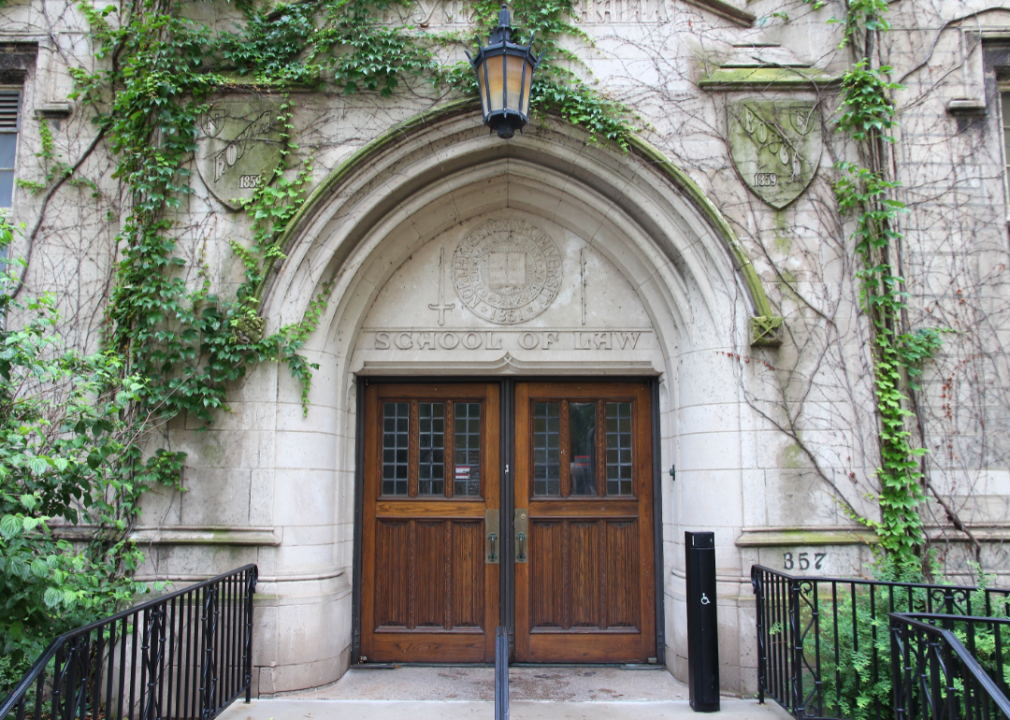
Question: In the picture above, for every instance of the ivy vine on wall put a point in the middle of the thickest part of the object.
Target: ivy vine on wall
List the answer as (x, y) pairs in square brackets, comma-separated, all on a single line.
[(864, 192)]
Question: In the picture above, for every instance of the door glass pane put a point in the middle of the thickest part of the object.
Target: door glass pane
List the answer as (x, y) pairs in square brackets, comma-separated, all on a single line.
[(619, 449), (547, 449), (431, 445), (467, 450), (582, 425), (395, 427)]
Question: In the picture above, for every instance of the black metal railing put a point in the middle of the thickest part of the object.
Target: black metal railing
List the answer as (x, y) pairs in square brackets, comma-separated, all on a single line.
[(824, 648), (187, 654), (936, 677)]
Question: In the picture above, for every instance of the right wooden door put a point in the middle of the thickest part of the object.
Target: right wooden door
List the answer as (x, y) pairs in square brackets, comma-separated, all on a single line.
[(585, 561)]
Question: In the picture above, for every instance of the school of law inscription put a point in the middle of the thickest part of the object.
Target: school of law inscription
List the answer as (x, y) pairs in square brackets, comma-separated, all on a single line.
[(507, 339), (507, 271)]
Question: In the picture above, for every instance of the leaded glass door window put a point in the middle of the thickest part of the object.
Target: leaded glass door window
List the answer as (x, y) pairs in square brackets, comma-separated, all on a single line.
[(582, 449), (432, 448)]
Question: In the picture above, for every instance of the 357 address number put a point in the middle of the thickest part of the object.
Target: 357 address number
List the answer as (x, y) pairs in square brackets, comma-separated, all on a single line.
[(802, 560)]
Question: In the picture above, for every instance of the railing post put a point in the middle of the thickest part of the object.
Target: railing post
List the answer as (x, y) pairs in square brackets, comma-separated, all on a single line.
[(897, 668), (797, 637), (756, 581), (250, 590)]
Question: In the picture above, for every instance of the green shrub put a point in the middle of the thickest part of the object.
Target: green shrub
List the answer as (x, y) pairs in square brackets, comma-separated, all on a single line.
[(68, 457)]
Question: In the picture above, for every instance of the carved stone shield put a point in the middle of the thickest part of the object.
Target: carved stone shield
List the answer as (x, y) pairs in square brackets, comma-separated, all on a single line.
[(775, 146), (239, 147)]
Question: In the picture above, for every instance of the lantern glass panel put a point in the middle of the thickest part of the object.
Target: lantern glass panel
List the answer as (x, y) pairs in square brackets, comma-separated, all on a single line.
[(514, 73), (482, 86), (493, 67), (527, 88)]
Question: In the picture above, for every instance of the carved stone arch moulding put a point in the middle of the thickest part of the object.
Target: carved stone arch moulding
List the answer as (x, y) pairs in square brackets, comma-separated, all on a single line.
[(677, 235)]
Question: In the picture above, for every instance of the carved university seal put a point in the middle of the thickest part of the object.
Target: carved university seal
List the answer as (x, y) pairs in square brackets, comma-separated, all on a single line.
[(507, 271)]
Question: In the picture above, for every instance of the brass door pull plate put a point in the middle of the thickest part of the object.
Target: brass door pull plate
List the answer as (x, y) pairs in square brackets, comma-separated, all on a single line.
[(521, 529), (492, 534)]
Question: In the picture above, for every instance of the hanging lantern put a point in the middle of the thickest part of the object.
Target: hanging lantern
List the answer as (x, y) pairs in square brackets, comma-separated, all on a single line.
[(505, 76)]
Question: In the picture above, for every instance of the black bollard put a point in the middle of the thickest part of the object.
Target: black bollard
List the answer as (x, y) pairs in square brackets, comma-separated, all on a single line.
[(702, 622)]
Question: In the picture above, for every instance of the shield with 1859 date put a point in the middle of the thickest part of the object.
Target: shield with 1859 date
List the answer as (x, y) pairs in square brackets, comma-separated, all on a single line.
[(775, 146), (239, 147)]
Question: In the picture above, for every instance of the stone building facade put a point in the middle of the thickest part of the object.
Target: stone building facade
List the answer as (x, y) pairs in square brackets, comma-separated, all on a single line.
[(701, 283)]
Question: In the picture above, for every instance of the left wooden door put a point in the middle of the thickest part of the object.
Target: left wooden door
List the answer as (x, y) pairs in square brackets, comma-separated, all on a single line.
[(429, 592)]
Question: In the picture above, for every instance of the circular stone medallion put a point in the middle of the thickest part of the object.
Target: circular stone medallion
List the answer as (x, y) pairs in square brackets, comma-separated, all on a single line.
[(507, 271)]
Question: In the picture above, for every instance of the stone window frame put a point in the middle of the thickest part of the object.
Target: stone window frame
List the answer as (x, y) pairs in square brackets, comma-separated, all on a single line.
[(18, 93), (996, 90), (17, 60)]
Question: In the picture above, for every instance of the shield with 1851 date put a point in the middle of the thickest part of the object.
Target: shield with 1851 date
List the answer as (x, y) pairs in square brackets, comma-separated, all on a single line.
[(239, 147), (775, 146)]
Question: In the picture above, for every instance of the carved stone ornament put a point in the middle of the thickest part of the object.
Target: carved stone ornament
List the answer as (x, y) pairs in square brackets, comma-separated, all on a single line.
[(776, 146), (239, 147), (507, 271), (766, 331)]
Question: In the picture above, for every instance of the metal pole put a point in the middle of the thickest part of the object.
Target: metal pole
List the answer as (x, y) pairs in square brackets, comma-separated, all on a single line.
[(501, 674)]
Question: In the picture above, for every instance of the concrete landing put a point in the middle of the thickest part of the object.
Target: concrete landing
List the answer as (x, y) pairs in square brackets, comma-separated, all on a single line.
[(467, 693), (283, 709)]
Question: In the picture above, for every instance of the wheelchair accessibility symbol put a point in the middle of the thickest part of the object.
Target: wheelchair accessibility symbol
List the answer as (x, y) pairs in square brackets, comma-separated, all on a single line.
[(705, 600)]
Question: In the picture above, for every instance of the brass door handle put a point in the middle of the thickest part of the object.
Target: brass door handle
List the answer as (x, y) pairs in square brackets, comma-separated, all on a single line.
[(520, 526), (493, 555), (491, 528)]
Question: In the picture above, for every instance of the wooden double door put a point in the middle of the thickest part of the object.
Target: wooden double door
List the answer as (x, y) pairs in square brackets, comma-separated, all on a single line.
[(539, 518)]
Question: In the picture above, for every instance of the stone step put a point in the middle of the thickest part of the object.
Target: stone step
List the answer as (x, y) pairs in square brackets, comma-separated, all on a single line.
[(466, 692), (295, 709)]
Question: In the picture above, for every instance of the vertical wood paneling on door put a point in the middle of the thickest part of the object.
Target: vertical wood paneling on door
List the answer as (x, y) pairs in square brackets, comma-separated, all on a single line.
[(547, 570), (584, 598), (429, 574), (468, 560), (392, 586), (623, 606)]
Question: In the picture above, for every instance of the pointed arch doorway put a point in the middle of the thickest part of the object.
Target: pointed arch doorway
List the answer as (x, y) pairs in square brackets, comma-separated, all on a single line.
[(388, 204)]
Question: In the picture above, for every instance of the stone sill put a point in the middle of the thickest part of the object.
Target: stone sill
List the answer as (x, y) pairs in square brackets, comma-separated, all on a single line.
[(966, 106), (53, 111), (769, 78), (256, 536), (792, 536)]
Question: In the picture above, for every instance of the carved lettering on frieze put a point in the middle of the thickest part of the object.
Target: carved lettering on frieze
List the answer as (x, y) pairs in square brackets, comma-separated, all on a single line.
[(434, 13), (473, 340)]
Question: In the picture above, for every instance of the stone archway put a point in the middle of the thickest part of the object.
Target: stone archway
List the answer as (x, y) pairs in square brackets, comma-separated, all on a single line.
[(641, 214)]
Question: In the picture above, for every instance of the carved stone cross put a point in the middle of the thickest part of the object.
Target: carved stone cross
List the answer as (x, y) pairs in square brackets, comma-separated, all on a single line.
[(441, 306)]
